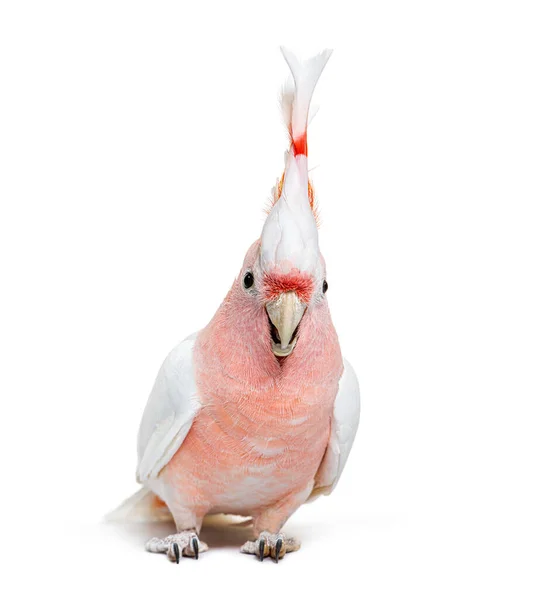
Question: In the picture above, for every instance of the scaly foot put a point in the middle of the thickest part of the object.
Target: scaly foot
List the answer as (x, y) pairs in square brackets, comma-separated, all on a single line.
[(274, 545), (183, 543)]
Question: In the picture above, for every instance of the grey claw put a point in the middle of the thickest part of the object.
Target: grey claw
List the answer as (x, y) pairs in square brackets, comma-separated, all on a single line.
[(176, 552), (277, 549), (195, 547), (262, 549)]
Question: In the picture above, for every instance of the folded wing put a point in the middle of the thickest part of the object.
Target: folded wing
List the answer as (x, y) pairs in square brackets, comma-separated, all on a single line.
[(343, 430), (169, 413)]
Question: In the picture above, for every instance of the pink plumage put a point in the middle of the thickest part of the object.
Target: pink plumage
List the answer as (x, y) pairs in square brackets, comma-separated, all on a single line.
[(261, 433), (255, 414)]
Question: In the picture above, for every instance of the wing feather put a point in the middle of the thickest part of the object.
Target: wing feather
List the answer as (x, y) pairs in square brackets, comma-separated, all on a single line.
[(343, 431), (169, 413)]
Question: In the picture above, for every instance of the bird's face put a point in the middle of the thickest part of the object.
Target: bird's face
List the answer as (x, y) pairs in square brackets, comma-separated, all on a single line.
[(282, 298), (280, 293)]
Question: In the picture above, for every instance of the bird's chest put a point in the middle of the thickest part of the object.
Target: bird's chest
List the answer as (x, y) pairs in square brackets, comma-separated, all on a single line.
[(262, 446), (274, 429)]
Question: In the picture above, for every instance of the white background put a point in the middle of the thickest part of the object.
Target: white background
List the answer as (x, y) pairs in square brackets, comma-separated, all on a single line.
[(139, 142)]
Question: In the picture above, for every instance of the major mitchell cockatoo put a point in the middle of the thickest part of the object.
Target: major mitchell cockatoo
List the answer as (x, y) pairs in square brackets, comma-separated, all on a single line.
[(256, 413)]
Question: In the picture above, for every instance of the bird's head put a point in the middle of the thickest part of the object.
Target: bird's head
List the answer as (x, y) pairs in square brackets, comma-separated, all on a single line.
[(283, 279)]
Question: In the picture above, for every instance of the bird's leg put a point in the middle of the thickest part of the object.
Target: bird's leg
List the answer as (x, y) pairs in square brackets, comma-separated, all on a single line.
[(274, 545), (185, 542), (269, 540)]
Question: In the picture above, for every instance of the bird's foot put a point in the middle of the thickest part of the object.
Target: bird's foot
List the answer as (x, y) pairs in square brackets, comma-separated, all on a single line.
[(274, 545), (183, 543)]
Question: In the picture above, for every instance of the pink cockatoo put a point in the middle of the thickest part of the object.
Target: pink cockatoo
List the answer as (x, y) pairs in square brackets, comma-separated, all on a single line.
[(255, 414)]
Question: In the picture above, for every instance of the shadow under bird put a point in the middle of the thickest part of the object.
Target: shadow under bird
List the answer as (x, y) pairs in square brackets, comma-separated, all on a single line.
[(255, 414)]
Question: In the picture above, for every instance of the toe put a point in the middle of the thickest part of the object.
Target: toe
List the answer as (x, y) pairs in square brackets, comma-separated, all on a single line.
[(261, 549), (248, 548), (174, 552), (278, 549), (291, 545), (156, 545), (194, 547)]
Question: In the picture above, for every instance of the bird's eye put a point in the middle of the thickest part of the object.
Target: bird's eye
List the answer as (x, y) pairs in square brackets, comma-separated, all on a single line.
[(248, 280), (325, 286)]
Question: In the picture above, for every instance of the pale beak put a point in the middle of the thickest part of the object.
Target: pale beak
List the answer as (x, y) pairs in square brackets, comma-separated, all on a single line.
[(285, 313)]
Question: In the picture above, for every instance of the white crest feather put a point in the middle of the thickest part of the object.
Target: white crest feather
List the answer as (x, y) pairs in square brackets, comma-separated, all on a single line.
[(289, 238), (298, 96)]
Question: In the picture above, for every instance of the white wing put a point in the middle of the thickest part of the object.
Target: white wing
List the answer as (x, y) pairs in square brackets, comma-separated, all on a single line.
[(169, 413), (343, 431)]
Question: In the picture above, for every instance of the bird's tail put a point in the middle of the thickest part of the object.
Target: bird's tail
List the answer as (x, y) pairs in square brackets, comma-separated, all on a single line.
[(143, 507)]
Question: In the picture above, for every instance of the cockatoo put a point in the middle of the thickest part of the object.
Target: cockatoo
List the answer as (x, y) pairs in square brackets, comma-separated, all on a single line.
[(255, 414)]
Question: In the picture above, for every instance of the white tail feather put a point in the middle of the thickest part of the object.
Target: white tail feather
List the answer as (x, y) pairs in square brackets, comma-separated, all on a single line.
[(142, 507)]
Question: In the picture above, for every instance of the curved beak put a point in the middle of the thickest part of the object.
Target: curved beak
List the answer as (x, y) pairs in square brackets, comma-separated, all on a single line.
[(285, 313)]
